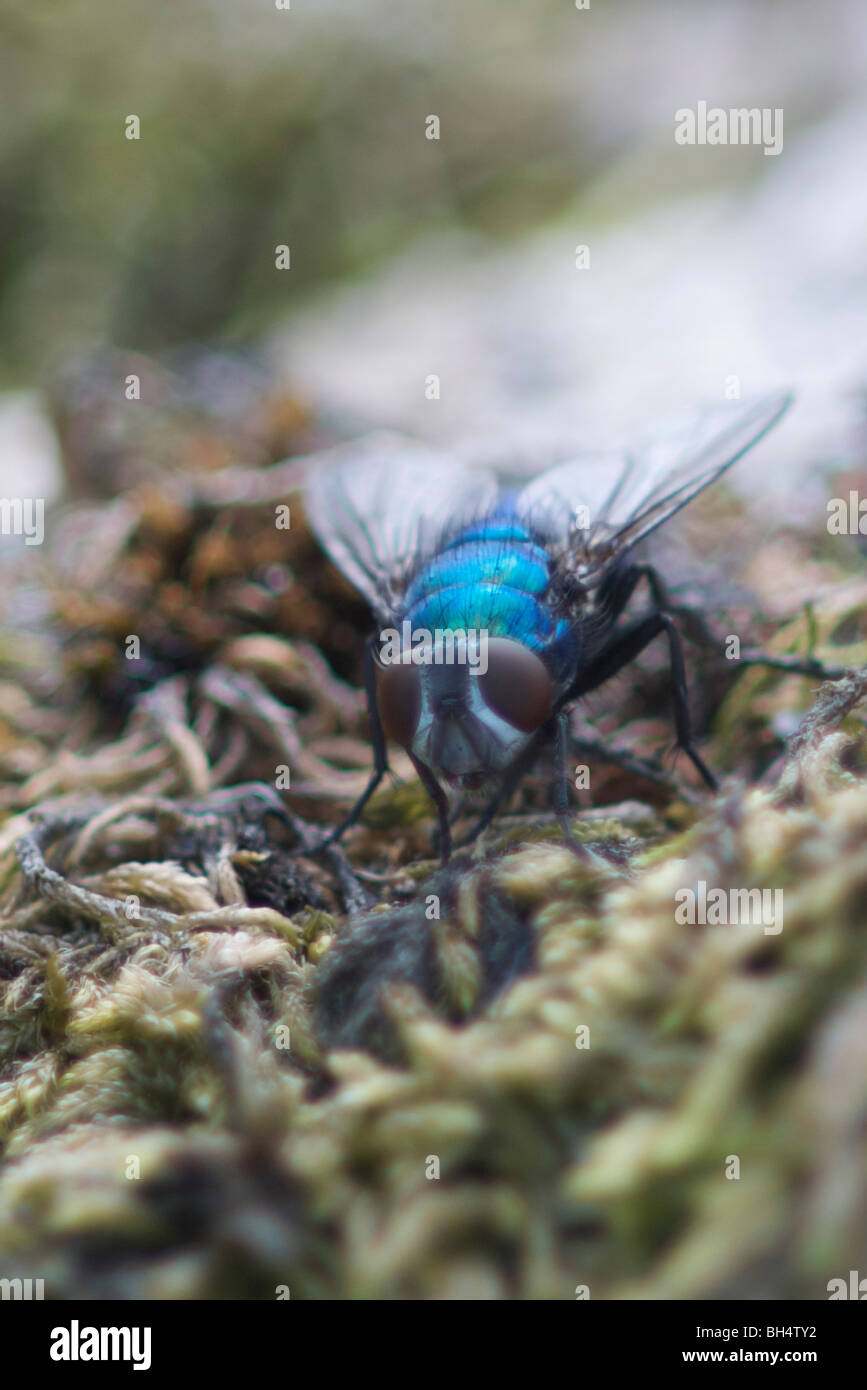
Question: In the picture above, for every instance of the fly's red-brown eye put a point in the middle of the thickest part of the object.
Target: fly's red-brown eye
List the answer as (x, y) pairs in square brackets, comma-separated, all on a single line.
[(517, 685), (398, 696)]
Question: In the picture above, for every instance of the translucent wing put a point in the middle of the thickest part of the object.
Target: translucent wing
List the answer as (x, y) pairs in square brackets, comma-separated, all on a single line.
[(380, 505), (609, 502)]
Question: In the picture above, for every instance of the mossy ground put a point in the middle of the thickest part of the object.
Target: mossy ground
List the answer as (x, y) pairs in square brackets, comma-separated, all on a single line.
[(228, 1063)]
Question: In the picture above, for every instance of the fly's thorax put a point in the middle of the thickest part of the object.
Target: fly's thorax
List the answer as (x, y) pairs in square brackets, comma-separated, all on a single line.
[(464, 703)]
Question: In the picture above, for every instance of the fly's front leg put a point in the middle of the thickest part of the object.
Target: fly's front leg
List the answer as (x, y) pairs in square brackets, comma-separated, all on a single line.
[(489, 812), (380, 751), (441, 801)]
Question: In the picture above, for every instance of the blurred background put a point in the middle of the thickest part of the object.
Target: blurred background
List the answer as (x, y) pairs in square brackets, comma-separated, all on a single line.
[(454, 257)]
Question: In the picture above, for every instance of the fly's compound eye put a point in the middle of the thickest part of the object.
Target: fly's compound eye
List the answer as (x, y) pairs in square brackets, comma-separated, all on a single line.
[(398, 696), (517, 685)]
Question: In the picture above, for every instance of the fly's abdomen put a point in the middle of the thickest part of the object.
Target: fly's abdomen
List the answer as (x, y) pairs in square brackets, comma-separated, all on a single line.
[(497, 609), (491, 577), (522, 566)]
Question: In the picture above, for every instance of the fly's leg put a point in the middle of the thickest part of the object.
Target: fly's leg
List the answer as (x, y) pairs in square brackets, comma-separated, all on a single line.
[(561, 792), (380, 752), (625, 648), (657, 586), (631, 642), (561, 774), (440, 800), (484, 819), (794, 665), (626, 761), (682, 722)]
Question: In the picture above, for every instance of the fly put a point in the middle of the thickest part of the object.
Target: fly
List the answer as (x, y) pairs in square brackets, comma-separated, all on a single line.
[(497, 610)]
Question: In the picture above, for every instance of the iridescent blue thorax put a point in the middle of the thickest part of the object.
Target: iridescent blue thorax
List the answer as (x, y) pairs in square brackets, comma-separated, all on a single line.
[(493, 576)]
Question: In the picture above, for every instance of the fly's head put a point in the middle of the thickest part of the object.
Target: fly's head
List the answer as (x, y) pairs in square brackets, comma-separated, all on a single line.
[(466, 719)]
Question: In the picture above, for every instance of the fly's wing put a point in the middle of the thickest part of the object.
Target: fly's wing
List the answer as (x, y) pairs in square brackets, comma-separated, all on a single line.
[(381, 505), (598, 506)]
